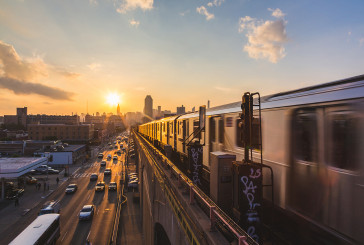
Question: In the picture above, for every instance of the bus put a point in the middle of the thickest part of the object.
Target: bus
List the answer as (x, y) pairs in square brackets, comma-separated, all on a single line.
[(43, 230)]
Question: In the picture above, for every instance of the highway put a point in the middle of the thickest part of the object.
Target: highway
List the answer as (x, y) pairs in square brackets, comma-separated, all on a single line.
[(99, 228)]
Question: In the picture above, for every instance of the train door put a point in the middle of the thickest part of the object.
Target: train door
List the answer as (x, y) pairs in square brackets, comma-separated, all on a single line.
[(184, 125), (342, 158), (175, 133), (168, 133), (160, 132), (307, 175), (212, 134)]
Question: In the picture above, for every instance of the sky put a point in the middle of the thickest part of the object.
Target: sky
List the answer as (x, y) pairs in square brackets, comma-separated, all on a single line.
[(67, 56)]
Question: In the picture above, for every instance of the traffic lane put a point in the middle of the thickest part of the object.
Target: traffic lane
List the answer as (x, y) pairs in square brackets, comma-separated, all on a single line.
[(106, 207), (103, 219), (72, 204)]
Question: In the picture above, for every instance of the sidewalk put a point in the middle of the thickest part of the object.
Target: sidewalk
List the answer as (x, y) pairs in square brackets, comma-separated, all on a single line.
[(10, 214)]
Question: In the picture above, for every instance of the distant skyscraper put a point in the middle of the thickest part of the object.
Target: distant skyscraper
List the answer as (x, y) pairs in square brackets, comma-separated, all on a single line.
[(181, 110), (148, 106), (208, 104), (118, 110)]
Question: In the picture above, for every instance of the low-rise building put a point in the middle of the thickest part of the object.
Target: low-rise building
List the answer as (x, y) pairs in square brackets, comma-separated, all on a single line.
[(63, 155), (53, 119), (76, 133)]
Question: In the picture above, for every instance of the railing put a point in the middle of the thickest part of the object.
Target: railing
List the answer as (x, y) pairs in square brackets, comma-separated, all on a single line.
[(217, 217), (121, 200)]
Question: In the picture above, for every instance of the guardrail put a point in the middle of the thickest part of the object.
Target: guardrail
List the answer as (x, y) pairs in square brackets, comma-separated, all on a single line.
[(218, 218), (121, 200)]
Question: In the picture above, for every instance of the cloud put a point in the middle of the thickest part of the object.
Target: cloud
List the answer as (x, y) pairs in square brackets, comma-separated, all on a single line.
[(133, 22), (15, 67), (94, 66), (277, 13), (265, 38), (18, 74), (22, 87), (202, 10), (215, 3), (126, 5), (93, 2)]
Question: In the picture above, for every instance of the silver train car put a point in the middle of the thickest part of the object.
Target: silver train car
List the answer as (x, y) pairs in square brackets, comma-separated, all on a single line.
[(312, 138)]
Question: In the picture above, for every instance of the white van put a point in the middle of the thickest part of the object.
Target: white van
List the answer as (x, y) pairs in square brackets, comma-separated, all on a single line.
[(50, 207)]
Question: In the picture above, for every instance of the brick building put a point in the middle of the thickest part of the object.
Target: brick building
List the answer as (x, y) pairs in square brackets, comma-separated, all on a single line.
[(83, 132)]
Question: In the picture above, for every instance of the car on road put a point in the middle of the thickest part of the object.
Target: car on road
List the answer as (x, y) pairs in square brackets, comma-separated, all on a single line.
[(115, 158), (93, 177), (30, 180), (118, 152), (113, 186), (103, 163), (87, 212), (71, 188), (100, 186), (50, 207), (100, 155), (108, 156), (53, 171), (107, 171)]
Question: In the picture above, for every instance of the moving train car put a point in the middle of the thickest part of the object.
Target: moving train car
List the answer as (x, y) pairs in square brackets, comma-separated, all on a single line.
[(312, 138)]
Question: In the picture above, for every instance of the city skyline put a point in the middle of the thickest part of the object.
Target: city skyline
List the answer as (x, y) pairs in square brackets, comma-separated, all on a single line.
[(61, 57)]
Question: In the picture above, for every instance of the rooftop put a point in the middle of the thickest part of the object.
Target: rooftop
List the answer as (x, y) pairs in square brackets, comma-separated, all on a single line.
[(15, 167)]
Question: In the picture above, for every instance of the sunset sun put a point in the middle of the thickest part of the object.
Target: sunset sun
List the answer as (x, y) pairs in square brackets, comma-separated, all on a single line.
[(113, 99)]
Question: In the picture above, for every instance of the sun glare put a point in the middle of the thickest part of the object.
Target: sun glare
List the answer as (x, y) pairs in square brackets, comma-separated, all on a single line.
[(113, 99)]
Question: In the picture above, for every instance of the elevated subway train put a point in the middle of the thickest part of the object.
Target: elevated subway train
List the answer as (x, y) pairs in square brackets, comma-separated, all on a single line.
[(313, 140)]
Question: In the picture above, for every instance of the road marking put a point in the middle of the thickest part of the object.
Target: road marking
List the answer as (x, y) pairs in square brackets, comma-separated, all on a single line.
[(64, 236), (76, 171), (88, 196), (88, 235)]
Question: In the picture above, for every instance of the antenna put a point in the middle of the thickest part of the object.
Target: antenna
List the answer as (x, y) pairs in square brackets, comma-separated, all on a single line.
[(86, 107)]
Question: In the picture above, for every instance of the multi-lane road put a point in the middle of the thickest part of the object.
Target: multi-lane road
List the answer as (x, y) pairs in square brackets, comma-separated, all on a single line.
[(98, 230)]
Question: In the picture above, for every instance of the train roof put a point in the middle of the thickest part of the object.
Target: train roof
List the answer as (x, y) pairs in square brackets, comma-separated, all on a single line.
[(350, 88)]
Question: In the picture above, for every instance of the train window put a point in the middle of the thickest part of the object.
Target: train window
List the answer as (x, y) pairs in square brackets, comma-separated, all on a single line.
[(229, 122), (196, 125), (255, 140), (305, 135), (239, 136), (343, 130), (212, 130), (221, 130)]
